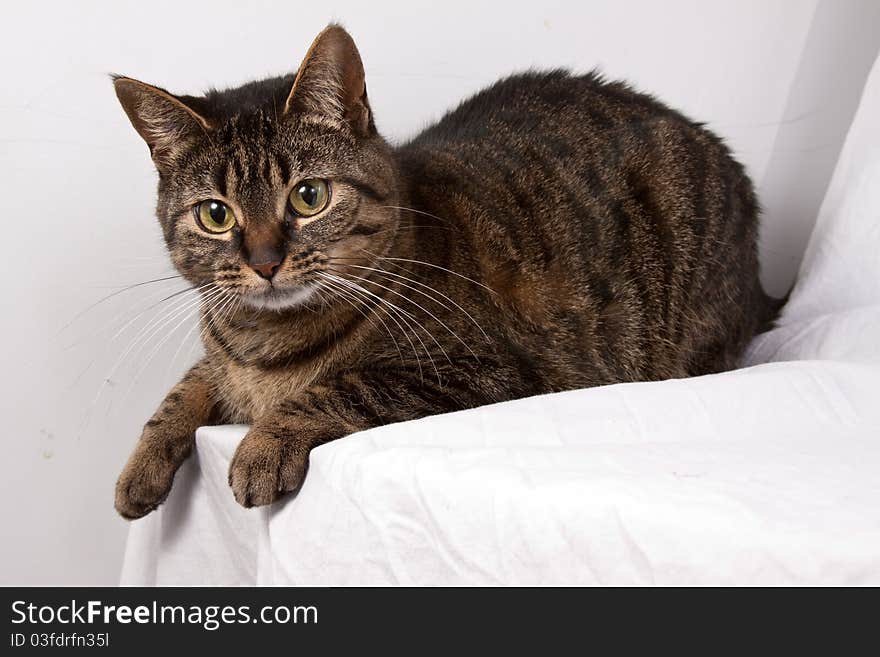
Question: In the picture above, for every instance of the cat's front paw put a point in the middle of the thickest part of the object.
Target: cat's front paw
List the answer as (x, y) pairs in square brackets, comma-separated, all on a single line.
[(265, 467), (144, 483)]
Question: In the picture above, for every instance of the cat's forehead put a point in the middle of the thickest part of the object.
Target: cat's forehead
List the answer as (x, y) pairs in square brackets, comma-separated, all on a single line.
[(252, 159), (252, 132), (254, 138)]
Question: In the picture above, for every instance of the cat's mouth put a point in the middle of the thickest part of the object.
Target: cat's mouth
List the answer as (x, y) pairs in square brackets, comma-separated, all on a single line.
[(276, 298)]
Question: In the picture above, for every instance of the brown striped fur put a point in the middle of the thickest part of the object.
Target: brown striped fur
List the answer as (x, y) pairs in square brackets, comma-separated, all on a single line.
[(553, 232)]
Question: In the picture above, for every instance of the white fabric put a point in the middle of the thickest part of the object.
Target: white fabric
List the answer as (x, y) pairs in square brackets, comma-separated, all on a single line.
[(766, 475)]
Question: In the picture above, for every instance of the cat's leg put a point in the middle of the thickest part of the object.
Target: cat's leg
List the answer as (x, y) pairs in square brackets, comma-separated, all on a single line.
[(167, 440), (273, 457)]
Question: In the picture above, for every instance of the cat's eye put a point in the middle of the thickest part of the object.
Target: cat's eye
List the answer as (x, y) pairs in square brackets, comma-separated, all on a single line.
[(309, 197), (214, 216)]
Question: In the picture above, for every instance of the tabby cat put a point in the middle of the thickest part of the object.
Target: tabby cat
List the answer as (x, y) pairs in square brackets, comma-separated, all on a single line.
[(552, 232)]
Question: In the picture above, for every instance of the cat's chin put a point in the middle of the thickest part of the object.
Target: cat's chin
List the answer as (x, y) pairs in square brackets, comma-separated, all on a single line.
[(275, 299)]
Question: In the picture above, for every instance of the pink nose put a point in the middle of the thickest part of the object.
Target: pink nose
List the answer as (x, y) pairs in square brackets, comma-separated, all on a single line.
[(266, 269)]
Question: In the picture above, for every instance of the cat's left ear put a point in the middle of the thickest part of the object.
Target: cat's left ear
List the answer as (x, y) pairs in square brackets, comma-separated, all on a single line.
[(330, 82), (164, 121)]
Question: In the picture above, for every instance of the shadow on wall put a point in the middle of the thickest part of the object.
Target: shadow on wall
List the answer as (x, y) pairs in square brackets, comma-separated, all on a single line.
[(820, 107)]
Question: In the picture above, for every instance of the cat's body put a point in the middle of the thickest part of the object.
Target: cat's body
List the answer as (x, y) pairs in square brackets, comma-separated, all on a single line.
[(551, 233)]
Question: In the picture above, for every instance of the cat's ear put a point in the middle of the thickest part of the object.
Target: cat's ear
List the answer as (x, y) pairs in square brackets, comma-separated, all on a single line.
[(162, 120), (330, 82)]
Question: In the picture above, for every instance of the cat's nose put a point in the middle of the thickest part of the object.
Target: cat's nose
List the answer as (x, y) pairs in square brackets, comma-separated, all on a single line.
[(266, 269), (264, 249)]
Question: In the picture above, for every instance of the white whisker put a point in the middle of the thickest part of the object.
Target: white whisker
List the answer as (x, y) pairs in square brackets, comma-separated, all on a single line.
[(113, 294), (132, 344), (126, 322), (210, 316), (419, 306), (422, 212), (428, 264), (386, 273), (183, 314), (347, 297), (405, 315), (393, 316)]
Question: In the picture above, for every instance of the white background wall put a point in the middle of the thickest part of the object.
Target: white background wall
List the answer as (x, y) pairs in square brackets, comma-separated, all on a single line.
[(778, 79)]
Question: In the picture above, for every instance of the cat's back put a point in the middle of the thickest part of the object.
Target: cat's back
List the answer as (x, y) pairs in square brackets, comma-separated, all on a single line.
[(554, 104), (571, 191), (600, 141)]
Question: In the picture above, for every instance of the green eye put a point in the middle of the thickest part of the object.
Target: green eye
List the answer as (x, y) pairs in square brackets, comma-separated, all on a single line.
[(309, 197), (214, 216)]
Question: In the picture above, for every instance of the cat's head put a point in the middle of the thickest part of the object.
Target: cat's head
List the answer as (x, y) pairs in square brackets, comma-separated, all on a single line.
[(264, 186)]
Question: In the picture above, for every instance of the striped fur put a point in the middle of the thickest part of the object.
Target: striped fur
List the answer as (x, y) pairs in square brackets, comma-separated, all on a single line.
[(553, 232)]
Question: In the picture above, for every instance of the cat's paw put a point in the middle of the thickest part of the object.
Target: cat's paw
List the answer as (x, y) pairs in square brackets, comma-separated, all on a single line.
[(144, 483), (264, 468)]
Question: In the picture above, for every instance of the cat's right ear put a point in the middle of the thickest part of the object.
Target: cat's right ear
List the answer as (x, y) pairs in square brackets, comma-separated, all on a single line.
[(162, 120), (330, 82)]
